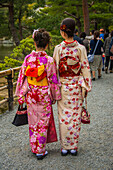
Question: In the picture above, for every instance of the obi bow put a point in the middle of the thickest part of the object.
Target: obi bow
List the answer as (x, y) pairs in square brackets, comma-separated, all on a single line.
[(39, 73)]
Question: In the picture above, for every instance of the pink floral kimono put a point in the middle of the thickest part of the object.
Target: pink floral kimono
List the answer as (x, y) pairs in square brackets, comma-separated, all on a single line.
[(74, 73), (37, 79)]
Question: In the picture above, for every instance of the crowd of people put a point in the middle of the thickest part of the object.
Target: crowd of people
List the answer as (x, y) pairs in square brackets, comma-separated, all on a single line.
[(103, 57), (66, 78)]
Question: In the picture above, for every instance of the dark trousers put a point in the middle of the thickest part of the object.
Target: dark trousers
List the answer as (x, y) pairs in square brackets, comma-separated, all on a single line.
[(111, 65), (103, 63), (107, 63)]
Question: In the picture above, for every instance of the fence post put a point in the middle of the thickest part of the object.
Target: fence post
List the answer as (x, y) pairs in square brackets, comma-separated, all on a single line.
[(10, 92)]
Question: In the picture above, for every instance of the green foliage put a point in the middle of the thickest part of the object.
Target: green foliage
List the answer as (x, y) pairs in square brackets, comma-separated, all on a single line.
[(102, 13), (25, 47), (110, 28), (4, 30), (2, 66), (9, 63), (49, 14), (55, 40)]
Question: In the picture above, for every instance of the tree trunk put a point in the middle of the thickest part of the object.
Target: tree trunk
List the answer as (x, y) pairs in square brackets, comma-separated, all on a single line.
[(86, 16), (20, 26), (11, 23), (78, 24)]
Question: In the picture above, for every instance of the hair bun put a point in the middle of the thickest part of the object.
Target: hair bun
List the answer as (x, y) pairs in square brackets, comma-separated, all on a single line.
[(41, 37)]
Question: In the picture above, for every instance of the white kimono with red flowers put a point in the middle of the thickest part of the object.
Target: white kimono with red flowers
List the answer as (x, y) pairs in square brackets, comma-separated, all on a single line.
[(74, 73), (39, 96)]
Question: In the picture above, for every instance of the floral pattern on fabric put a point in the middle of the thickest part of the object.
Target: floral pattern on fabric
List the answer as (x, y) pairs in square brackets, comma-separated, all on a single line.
[(72, 61), (38, 137), (38, 98), (74, 71)]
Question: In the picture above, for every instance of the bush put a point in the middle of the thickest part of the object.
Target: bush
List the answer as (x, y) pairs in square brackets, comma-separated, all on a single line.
[(26, 47)]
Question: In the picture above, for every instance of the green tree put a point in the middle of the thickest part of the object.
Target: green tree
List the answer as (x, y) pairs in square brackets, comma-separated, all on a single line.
[(65, 8), (16, 11), (101, 14)]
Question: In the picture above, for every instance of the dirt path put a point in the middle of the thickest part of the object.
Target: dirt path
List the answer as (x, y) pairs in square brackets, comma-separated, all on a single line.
[(95, 143)]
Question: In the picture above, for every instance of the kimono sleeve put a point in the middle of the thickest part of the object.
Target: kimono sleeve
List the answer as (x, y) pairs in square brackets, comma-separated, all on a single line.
[(52, 80), (56, 57), (85, 78), (22, 85)]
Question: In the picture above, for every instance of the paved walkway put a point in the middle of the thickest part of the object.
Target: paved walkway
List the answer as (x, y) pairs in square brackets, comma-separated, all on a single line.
[(95, 144)]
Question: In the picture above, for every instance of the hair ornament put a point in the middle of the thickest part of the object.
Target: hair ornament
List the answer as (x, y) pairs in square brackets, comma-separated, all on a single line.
[(63, 27), (34, 33)]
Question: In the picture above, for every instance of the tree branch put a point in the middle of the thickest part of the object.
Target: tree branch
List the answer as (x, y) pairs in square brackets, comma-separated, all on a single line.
[(3, 6), (65, 12)]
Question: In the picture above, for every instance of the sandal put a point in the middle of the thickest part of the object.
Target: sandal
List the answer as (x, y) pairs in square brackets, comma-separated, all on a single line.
[(73, 152), (99, 77), (93, 79), (64, 152), (42, 155)]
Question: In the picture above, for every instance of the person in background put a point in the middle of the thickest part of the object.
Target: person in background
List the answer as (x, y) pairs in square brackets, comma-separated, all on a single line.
[(101, 36), (76, 37), (107, 54), (91, 35), (85, 41), (75, 78), (97, 63), (101, 33), (107, 33), (111, 57), (105, 36), (40, 70)]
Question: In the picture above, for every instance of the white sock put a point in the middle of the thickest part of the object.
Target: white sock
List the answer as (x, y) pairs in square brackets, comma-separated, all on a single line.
[(73, 151), (40, 154), (64, 151)]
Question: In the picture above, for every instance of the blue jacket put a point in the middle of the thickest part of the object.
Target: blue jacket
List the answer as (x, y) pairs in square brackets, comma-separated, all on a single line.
[(98, 49), (102, 36)]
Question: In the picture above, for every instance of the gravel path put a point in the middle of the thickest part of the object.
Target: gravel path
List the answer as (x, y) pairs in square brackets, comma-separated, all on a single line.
[(95, 143)]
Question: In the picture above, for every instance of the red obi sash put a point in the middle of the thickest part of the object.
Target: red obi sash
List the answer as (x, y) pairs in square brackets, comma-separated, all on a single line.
[(33, 72)]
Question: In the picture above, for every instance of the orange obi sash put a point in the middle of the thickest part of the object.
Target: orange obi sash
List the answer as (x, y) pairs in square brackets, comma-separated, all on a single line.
[(37, 76)]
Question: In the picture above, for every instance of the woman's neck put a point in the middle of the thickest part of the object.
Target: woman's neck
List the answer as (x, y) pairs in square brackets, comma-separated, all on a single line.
[(69, 39), (40, 49)]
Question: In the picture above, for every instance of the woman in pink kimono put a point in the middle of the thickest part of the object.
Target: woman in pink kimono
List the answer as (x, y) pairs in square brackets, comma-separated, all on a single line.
[(37, 79), (75, 78)]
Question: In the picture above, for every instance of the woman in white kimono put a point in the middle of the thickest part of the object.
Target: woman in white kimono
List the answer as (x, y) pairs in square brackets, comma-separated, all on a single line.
[(75, 78)]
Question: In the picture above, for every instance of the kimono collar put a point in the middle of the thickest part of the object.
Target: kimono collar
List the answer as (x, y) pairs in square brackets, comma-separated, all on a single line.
[(39, 53), (69, 44)]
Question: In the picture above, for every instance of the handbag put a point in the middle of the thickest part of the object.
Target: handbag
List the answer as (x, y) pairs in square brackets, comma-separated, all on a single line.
[(51, 134), (91, 56), (85, 116), (21, 117)]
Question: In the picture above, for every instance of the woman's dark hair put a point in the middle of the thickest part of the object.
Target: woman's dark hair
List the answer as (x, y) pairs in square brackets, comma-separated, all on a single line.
[(92, 31), (111, 33), (105, 36), (41, 37), (68, 26), (82, 35), (96, 35), (107, 30)]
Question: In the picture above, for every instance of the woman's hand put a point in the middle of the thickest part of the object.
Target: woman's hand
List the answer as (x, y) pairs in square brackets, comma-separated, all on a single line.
[(84, 93), (53, 101)]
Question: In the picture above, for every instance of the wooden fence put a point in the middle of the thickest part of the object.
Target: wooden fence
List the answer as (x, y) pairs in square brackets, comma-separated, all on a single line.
[(9, 75)]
